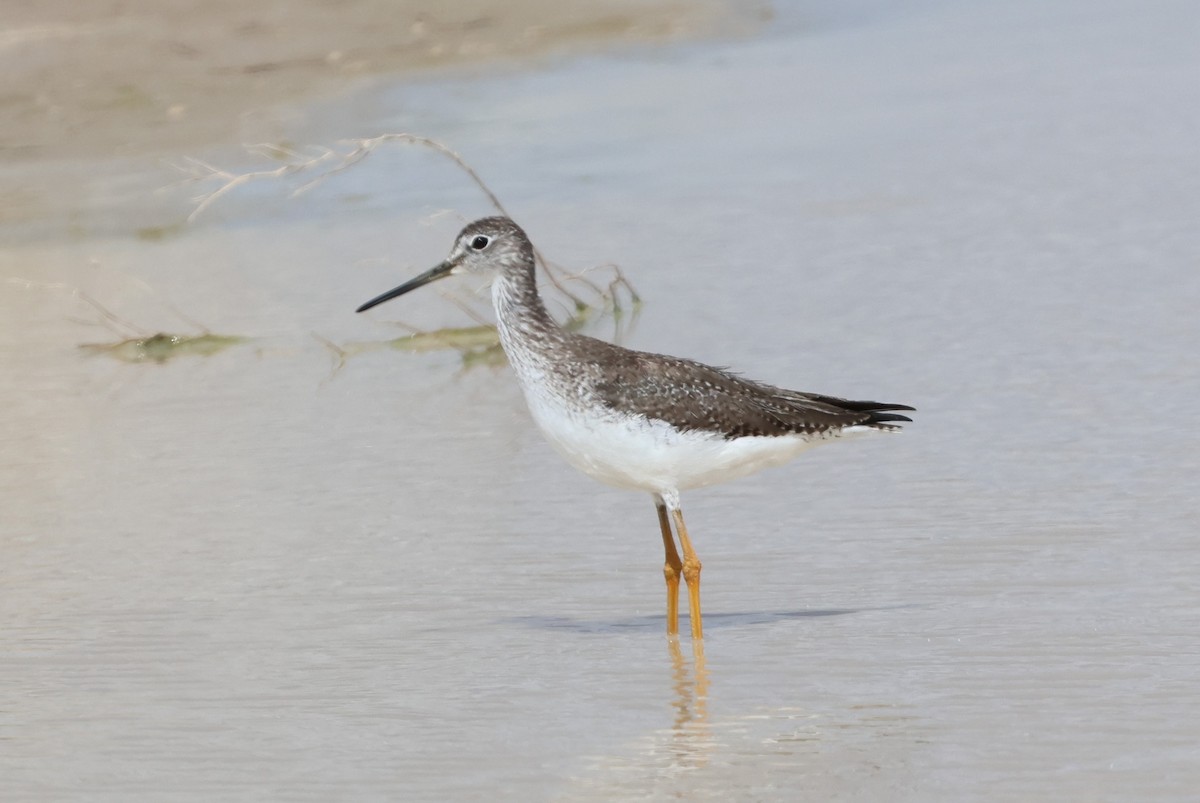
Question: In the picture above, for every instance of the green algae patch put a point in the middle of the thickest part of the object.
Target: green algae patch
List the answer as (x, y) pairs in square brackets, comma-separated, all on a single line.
[(161, 347), (464, 338), (155, 234)]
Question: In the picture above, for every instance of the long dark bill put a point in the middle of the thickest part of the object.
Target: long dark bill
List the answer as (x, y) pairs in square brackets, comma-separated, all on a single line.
[(431, 275)]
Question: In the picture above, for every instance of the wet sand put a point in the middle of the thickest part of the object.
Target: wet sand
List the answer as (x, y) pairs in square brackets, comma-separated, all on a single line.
[(119, 79), (83, 84)]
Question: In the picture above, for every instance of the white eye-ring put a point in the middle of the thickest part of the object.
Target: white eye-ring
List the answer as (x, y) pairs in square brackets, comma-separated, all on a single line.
[(479, 242)]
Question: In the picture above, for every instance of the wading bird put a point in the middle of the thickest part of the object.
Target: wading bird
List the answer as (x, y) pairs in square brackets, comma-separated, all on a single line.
[(632, 419)]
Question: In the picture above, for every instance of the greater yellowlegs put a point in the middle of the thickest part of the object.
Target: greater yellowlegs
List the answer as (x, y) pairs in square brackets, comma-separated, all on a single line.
[(637, 420)]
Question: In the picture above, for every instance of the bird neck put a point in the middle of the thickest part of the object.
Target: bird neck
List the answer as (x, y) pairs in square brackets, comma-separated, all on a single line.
[(517, 301), (521, 316)]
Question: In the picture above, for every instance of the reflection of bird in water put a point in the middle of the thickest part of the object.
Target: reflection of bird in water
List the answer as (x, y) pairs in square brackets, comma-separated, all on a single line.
[(637, 420), (691, 698)]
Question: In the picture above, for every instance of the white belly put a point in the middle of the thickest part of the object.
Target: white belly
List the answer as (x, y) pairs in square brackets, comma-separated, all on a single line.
[(649, 455)]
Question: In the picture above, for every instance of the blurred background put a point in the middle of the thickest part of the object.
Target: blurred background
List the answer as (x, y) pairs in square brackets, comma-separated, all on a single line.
[(252, 546)]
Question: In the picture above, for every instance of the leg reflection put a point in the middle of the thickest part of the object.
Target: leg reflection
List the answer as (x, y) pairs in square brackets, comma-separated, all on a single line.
[(692, 738)]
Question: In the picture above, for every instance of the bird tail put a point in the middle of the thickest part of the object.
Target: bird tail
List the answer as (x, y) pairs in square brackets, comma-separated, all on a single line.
[(880, 414)]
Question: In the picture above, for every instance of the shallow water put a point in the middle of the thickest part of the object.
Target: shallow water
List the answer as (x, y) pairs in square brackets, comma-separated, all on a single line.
[(252, 576)]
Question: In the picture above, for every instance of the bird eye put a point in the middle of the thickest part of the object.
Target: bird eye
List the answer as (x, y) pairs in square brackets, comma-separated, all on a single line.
[(480, 243)]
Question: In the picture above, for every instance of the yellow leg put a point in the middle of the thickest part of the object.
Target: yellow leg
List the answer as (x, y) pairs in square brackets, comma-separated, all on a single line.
[(691, 570), (672, 569)]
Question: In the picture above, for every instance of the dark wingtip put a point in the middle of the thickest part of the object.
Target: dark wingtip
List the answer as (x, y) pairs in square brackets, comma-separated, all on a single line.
[(860, 406), (880, 418)]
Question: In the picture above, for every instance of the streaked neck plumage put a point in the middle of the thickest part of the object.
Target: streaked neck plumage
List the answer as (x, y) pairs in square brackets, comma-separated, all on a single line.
[(527, 332)]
